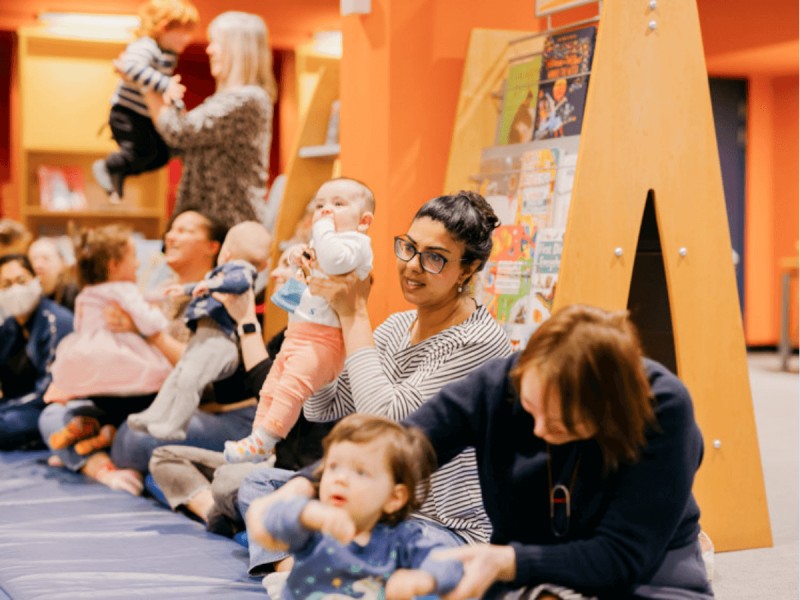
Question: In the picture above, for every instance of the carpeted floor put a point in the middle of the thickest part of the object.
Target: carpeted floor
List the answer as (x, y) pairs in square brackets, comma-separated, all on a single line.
[(770, 572)]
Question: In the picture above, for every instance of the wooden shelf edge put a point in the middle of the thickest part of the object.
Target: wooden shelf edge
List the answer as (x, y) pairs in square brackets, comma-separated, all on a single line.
[(122, 213), (321, 151)]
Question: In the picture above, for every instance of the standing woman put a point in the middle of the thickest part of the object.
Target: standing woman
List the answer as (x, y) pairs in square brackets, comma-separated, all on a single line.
[(29, 336), (409, 357), (224, 142)]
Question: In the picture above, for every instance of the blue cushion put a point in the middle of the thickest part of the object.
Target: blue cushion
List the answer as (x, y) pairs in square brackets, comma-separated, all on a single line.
[(66, 536)]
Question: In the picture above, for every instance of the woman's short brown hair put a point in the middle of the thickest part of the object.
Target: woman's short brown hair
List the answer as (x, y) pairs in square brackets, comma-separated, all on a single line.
[(410, 456), (592, 360), (96, 248)]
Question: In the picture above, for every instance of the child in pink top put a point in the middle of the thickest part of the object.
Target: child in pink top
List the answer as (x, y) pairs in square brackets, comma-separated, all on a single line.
[(93, 361)]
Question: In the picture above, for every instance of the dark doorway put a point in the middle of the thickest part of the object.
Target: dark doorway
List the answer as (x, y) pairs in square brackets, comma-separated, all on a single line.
[(729, 104)]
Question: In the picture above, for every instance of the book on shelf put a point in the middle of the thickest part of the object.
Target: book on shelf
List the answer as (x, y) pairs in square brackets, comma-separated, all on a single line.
[(61, 187), (563, 83), (517, 115)]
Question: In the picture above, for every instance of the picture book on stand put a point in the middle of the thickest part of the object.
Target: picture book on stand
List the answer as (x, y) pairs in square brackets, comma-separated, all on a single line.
[(517, 115), (563, 83)]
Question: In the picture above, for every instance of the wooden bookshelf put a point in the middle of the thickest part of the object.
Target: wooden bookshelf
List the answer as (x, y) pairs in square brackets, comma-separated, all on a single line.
[(65, 85)]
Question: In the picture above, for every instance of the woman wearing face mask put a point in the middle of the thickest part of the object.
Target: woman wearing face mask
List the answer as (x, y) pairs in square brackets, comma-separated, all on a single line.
[(29, 334), (53, 272)]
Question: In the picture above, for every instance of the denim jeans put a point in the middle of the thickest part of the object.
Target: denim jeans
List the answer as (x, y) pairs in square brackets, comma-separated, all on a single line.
[(132, 449), (19, 420)]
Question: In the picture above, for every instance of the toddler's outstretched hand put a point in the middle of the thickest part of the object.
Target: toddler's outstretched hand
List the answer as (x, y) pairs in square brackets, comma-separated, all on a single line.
[(330, 520)]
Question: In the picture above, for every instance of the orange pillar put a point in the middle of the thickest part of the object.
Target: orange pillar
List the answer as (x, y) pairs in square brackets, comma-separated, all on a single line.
[(761, 267), (400, 76)]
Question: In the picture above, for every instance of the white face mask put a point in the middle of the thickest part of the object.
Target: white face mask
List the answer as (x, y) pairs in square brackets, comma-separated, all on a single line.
[(20, 299)]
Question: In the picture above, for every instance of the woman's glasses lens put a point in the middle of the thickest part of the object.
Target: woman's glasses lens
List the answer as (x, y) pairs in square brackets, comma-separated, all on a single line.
[(429, 261)]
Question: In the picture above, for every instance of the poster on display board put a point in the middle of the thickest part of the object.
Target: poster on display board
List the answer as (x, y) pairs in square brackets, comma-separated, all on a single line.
[(529, 187)]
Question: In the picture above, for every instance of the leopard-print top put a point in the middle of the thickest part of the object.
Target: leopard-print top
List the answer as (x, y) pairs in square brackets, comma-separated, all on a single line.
[(224, 145)]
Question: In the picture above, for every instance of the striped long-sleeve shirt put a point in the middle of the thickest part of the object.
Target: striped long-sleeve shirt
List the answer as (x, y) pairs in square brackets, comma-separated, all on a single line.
[(149, 66), (395, 378)]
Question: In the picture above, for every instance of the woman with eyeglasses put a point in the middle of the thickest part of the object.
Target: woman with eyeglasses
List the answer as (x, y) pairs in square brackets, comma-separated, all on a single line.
[(586, 453), (392, 371), (31, 327)]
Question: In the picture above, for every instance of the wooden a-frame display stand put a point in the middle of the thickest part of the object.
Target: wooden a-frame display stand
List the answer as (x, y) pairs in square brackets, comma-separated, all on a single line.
[(648, 132)]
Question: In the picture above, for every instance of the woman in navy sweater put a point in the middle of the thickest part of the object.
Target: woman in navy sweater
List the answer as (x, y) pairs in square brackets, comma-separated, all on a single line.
[(586, 457)]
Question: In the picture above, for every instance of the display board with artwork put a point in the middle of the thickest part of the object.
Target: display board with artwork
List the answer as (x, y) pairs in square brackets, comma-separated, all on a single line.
[(528, 186), (527, 178)]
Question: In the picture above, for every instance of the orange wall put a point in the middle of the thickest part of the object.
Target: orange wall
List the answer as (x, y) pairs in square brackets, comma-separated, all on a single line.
[(785, 181), (400, 78), (760, 258), (744, 40)]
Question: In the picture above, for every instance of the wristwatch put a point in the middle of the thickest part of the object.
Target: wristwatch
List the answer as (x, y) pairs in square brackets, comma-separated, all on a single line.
[(248, 328)]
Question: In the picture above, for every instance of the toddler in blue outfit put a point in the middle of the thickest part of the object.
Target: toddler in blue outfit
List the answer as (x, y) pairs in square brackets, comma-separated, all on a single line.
[(354, 541)]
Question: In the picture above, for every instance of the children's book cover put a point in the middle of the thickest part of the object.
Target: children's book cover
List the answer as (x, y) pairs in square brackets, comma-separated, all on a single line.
[(506, 276), (568, 53), (498, 180), (547, 258), (518, 115), (61, 188), (537, 177), (564, 80), (544, 276), (562, 193)]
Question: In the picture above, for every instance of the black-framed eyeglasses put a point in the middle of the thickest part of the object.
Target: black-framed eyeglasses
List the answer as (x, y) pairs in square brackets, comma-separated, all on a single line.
[(429, 261)]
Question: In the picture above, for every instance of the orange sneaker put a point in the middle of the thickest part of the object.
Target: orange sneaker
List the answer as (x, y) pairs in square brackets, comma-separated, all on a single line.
[(102, 440), (78, 428)]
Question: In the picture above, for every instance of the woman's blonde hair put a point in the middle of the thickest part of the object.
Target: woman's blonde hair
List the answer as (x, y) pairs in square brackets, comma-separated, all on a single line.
[(244, 45), (159, 15)]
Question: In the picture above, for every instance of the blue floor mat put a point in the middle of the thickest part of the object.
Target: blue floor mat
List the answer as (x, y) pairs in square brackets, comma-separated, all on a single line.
[(63, 536)]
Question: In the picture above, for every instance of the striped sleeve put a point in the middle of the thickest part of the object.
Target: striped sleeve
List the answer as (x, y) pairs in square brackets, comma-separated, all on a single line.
[(145, 63), (394, 390), (393, 379), (331, 403)]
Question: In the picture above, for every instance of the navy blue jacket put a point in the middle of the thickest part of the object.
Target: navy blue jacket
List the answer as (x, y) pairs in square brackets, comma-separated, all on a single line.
[(621, 525), (47, 325)]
